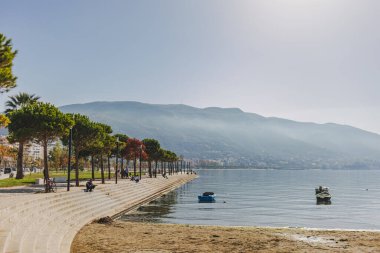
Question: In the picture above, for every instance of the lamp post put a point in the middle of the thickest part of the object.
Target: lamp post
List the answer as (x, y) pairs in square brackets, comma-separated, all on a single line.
[(140, 161), (117, 159), (69, 162)]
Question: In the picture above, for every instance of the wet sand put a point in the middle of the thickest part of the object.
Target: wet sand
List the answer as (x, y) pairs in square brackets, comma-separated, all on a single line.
[(121, 236)]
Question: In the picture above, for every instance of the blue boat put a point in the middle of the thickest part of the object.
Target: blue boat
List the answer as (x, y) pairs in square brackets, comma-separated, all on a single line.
[(207, 197)]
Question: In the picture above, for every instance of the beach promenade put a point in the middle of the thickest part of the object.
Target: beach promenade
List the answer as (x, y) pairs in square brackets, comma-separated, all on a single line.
[(39, 222)]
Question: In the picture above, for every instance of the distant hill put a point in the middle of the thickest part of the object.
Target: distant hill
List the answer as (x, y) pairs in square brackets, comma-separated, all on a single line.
[(234, 137)]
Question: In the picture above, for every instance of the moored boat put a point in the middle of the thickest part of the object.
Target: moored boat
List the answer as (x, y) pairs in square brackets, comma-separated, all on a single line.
[(322, 193), (207, 197)]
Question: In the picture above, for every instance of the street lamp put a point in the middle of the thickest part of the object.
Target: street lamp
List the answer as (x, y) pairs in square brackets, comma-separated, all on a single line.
[(69, 162), (117, 158), (140, 160)]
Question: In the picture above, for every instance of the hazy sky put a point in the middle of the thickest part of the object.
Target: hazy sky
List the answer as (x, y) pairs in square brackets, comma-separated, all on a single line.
[(307, 60)]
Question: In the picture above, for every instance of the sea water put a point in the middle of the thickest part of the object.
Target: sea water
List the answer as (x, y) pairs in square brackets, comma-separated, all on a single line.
[(275, 198)]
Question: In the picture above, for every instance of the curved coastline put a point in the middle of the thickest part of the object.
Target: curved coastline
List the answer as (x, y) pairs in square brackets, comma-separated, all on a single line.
[(49, 222), (127, 236)]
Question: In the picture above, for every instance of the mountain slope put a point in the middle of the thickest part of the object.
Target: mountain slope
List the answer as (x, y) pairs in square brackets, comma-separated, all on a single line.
[(234, 136)]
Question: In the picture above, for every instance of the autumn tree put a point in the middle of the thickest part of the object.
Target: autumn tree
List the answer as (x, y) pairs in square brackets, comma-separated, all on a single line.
[(4, 121), (134, 148), (5, 152)]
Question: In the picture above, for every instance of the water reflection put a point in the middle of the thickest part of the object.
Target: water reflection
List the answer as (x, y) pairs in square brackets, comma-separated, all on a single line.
[(154, 210), (323, 202)]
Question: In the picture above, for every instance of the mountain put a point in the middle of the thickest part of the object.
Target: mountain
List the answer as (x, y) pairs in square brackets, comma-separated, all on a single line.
[(233, 137)]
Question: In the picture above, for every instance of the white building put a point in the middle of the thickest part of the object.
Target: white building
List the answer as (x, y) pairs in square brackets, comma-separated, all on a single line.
[(32, 150), (36, 151)]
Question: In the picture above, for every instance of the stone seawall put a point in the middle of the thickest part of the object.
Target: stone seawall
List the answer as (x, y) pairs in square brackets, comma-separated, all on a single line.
[(49, 222)]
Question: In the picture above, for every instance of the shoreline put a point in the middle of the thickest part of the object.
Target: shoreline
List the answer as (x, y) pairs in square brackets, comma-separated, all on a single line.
[(135, 208), (162, 237), (290, 227)]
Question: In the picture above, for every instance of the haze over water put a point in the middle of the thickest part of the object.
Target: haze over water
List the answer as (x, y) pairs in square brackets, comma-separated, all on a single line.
[(277, 198)]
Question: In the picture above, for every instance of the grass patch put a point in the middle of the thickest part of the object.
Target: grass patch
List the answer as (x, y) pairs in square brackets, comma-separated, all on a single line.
[(31, 178)]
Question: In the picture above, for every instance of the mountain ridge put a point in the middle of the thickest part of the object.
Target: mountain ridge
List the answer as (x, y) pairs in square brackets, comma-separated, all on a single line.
[(232, 136)]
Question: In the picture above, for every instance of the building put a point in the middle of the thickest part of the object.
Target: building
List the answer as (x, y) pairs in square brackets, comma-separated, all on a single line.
[(32, 150)]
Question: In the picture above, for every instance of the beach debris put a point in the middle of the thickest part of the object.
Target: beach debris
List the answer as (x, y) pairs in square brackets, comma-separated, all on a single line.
[(315, 240), (105, 220)]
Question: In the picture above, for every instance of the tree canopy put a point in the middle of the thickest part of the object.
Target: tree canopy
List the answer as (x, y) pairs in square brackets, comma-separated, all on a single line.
[(152, 148), (7, 54), (42, 122), (14, 103), (84, 134), (133, 149)]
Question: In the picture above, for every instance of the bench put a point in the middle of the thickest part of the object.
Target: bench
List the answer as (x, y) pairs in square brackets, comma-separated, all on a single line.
[(60, 179)]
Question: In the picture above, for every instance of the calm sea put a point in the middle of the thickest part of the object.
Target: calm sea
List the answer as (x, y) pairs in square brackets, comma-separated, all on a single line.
[(278, 198)]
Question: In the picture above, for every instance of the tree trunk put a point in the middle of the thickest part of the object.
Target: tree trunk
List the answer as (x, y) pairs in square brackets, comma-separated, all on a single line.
[(102, 168), (150, 168), (92, 167), (122, 167), (20, 154), (46, 167), (155, 169), (109, 167), (127, 166), (134, 167)]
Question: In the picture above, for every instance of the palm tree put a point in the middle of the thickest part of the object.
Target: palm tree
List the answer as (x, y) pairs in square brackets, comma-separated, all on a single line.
[(20, 100), (14, 103)]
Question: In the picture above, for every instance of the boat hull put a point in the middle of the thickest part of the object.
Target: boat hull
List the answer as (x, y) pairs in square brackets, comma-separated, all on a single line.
[(206, 199), (323, 198)]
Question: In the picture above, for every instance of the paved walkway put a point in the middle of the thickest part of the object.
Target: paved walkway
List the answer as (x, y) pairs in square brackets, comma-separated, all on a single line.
[(48, 222)]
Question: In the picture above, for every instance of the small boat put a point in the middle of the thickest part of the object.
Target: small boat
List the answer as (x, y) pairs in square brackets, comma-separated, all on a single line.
[(322, 194), (207, 197)]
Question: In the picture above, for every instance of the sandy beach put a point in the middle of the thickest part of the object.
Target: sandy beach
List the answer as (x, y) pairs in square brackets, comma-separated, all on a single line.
[(119, 236)]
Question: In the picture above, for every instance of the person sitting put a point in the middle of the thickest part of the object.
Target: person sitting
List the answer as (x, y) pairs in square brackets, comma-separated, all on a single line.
[(90, 186)]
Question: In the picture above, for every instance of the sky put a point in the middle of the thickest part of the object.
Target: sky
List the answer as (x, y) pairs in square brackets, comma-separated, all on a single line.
[(305, 60)]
